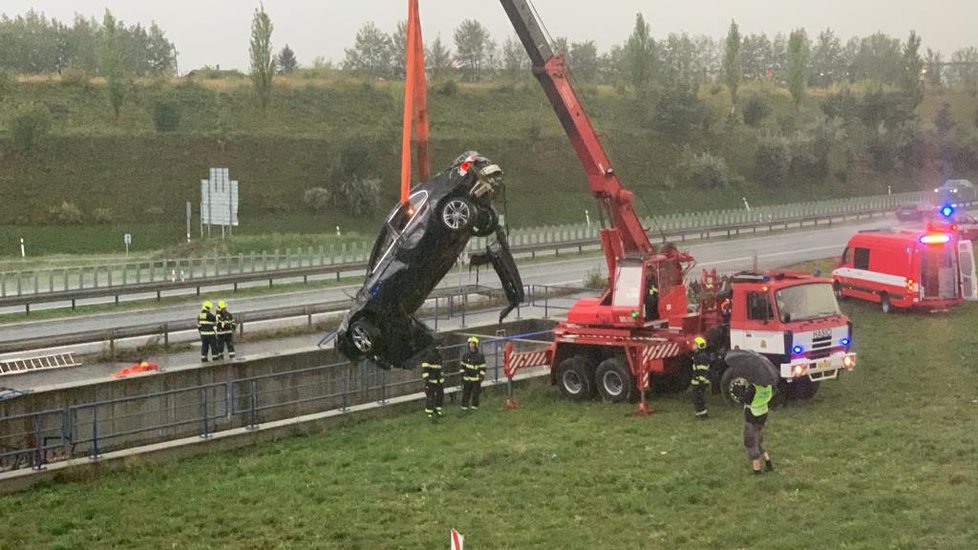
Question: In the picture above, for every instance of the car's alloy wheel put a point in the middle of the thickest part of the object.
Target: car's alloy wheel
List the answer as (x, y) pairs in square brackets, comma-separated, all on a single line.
[(363, 335), (458, 214)]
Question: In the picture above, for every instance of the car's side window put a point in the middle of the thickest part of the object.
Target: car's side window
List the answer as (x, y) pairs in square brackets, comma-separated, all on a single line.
[(845, 257)]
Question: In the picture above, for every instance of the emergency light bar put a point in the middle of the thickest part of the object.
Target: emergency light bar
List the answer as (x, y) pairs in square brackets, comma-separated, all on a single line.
[(936, 238)]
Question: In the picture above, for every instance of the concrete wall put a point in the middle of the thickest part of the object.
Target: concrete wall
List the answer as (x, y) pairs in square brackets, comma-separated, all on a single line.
[(172, 404)]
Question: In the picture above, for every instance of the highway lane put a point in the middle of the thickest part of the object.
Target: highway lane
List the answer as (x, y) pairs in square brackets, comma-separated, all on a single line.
[(727, 256)]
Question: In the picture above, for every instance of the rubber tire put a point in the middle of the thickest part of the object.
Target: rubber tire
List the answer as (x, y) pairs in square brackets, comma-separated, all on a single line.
[(486, 223), (614, 372), (885, 303), (460, 203), (839, 296), (372, 333), (731, 376), (575, 369), (804, 389)]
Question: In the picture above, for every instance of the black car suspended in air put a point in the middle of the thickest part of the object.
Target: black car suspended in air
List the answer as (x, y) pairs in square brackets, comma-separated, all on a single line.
[(418, 244)]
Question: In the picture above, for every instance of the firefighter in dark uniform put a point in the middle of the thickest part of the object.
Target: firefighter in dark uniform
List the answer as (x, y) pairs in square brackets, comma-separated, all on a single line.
[(701, 376), (207, 328), (434, 384), (225, 331), (473, 373), (651, 300)]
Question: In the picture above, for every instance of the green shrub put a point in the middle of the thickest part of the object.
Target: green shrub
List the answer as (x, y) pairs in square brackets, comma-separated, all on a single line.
[(103, 216), (678, 112), (448, 89), (75, 78), (773, 161), (166, 117), (595, 280), (29, 126), (360, 196), (755, 111), (66, 213), (707, 171), (317, 199), (7, 82)]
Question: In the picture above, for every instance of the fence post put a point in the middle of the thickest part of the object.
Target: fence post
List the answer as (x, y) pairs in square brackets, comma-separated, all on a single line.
[(253, 408), (38, 444), (94, 433), (205, 435)]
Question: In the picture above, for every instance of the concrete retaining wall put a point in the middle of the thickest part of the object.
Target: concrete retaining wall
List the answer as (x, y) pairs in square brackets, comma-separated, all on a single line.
[(183, 402)]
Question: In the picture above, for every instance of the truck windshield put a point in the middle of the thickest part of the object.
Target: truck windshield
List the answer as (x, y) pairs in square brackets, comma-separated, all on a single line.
[(811, 301)]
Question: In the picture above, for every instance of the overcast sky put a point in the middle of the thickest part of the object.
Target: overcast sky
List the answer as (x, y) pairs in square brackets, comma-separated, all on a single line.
[(216, 32)]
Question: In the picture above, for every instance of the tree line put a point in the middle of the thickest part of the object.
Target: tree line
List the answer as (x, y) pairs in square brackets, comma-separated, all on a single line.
[(34, 44)]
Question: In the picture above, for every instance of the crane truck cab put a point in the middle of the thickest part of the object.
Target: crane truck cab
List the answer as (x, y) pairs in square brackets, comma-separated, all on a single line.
[(904, 269), (794, 320)]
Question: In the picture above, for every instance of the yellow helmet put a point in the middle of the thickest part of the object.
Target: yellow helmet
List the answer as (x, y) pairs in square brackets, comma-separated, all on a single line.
[(700, 342), (473, 340), (208, 304), (222, 304)]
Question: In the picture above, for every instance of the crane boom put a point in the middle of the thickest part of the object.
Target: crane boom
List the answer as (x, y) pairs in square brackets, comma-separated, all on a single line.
[(552, 72)]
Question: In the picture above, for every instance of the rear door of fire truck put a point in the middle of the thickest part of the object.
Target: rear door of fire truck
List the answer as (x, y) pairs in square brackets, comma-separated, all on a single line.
[(939, 270), (966, 259)]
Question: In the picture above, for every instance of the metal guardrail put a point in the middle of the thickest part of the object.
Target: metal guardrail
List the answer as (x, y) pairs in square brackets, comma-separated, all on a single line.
[(448, 296), (555, 239), (34, 439)]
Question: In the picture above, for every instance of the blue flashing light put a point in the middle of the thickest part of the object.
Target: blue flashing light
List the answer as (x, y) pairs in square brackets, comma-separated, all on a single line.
[(845, 341), (947, 210), (797, 350)]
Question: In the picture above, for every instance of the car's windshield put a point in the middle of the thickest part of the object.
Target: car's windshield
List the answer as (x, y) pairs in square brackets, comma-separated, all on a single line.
[(808, 301)]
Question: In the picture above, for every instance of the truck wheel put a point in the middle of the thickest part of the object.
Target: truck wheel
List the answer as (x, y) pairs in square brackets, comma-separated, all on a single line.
[(615, 383), (804, 389), (885, 303), (734, 379), (458, 214), (575, 378)]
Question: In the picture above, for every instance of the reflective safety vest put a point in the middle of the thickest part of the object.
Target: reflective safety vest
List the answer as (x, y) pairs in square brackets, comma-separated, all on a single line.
[(701, 367), (652, 290), (762, 395), (206, 323), (473, 367), (432, 374), (225, 322)]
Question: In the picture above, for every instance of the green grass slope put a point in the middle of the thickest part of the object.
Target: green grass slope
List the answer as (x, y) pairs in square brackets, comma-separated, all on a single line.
[(884, 458)]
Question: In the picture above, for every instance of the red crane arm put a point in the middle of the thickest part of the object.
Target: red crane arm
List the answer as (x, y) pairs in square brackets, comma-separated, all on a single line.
[(552, 72)]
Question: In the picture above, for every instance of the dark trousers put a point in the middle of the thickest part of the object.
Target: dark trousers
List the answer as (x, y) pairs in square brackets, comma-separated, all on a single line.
[(434, 398), (208, 343), (699, 397), (470, 393), (225, 341)]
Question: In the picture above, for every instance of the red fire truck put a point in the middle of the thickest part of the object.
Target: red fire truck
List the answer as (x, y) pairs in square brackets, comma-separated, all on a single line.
[(641, 329), (904, 269)]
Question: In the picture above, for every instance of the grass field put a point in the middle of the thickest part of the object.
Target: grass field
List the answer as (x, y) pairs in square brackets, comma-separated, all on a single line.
[(885, 458)]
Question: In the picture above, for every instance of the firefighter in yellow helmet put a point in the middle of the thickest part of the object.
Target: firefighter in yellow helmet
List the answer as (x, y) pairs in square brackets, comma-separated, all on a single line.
[(207, 328), (434, 383), (700, 365), (473, 373)]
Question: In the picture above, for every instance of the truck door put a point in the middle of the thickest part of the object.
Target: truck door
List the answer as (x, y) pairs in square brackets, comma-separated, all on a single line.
[(966, 259), (939, 274)]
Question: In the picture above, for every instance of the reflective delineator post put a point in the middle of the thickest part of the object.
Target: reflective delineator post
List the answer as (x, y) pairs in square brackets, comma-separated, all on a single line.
[(510, 403)]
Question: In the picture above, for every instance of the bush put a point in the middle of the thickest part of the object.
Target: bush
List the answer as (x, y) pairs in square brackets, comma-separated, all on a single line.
[(103, 216), (29, 126), (65, 213), (356, 161), (166, 117), (678, 112), (844, 105), (75, 78), (317, 199), (708, 171), (448, 89), (755, 110), (595, 280), (773, 161), (7, 82), (360, 196)]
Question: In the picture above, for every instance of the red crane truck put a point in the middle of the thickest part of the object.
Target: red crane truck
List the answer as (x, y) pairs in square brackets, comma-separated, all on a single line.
[(619, 342)]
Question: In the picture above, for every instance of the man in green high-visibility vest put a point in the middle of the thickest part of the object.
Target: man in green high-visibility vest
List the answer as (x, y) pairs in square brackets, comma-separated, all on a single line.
[(755, 399)]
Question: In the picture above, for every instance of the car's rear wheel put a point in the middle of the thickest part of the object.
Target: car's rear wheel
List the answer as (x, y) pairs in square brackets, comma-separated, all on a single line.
[(365, 337), (488, 221), (458, 214)]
